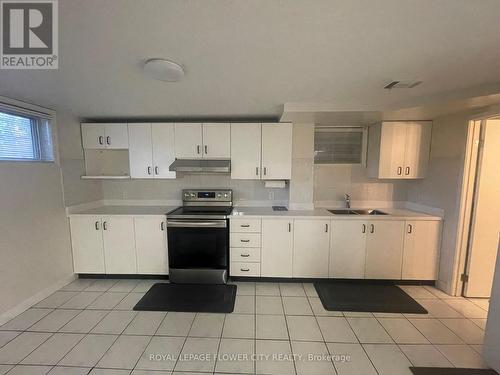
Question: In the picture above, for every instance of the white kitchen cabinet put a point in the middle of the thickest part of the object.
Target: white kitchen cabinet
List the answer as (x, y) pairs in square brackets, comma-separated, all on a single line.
[(348, 249), (276, 151), (246, 141), (277, 245), (119, 245), (421, 250), (151, 245), (104, 135), (311, 248), (216, 141), (399, 150), (188, 140), (151, 150), (87, 245), (384, 249)]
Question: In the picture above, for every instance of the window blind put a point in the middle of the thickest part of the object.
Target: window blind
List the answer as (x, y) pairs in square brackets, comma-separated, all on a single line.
[(339, 145)]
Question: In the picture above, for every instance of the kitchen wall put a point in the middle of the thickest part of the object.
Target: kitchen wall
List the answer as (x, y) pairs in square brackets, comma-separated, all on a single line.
[(35, 249)]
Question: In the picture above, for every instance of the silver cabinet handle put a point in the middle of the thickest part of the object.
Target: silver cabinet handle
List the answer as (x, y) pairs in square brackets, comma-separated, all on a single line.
[(410, 228), (100, 140), (244, 240), (256, 171), (407, 171), (206, 150), (149, 170), (244, 255), (400, 170), (372, 228), (105, 225), (198, 149), (162, 225), (363, 228), (245, 225), (265, 171), (108, 140), (157, 170), (289, 227), (326, 228), (96, 225), (244, 269)]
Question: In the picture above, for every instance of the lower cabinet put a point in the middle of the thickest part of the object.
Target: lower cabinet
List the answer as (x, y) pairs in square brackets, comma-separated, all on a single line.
[(384, 249), (348, 249), (151, 245), (276, 252), (87, 245), (311, 248), (119, 245), (421, 250)]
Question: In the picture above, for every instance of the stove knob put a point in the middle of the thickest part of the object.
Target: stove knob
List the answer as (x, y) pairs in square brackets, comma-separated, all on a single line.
[(193, 195), (225, 195), (186, 195)]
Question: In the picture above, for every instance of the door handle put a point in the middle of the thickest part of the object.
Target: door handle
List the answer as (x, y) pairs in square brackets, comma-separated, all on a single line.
[(198, 149), (245, 255), (326, 228), (363, 228), (256, 171), (162, 225), (149, 170), (265, 171), (289, 227), (244, 269), (104, 225), (100, 140), (156, 170), (400, 170), (245, 225), (245, 241), (108, 140), (410, 228), (96, 225), (372, 228), (206, 150), (407, 171)]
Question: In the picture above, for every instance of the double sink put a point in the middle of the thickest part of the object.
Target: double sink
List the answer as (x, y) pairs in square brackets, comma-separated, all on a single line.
[(357, 212)]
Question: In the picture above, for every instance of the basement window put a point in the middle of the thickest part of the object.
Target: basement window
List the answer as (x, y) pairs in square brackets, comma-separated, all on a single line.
[(25, 137), (340, 145)]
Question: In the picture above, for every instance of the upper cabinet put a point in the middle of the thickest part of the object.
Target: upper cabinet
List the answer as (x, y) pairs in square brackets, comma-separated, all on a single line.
[(151, 150), (104, 136), (399, 150), (261, 151), (202, 140)]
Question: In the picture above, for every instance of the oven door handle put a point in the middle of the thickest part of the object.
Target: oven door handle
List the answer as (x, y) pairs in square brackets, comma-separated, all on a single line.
[(196, 224)]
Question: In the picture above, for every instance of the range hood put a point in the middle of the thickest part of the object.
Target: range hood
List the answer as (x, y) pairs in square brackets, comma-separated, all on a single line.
[(201, 166)]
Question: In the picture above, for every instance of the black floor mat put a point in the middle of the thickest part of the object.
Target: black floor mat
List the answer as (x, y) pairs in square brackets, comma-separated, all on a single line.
[(451, 371), (189, 298), (366, 297)]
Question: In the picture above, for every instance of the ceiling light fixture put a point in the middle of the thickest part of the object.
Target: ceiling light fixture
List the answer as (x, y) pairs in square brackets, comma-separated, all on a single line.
[(164, 70)]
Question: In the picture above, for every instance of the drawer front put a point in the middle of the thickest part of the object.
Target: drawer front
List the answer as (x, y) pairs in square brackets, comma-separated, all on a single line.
[(245, 225), (245, 254), (245, 240), (245, 269)]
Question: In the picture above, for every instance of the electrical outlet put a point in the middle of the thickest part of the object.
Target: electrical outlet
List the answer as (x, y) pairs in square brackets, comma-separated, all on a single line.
[(271, 195)]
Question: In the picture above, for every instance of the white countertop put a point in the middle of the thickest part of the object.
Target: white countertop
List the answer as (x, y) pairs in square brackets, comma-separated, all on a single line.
[(126, 210)]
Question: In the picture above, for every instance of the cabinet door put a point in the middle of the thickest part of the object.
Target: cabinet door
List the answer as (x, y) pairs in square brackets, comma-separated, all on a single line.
[(348, 249), (163, 136), (151, 245), (140, 150), (276, 252), (119, 245), (245, 151), (311, 248), (216, 141), (421, 250), (392, 150), (418, 144), (116, 136), (188, 141), (93, 136), (86, 241), (384, 249), (276, 151)]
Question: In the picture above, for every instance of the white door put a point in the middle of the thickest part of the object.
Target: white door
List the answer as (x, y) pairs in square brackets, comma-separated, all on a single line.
[(245, 151), (93, 136), (421, 250), (311, 248), (216, 141), (384, 249), (277, 151), (140, 150), (485, 225), (348, 249), (151, 245), (418, 147), (86, 241), (119, 245), (392, 150), (163, 135), (116, 136), (276, 252), (188, 140)]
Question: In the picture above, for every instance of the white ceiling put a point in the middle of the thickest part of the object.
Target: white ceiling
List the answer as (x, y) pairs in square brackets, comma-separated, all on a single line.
[(248, 58)]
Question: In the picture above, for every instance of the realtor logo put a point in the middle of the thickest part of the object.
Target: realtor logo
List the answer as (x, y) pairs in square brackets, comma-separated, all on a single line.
[(29, 34)]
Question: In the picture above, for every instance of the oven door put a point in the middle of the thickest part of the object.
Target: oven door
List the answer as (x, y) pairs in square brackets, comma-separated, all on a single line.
[(198, 244)]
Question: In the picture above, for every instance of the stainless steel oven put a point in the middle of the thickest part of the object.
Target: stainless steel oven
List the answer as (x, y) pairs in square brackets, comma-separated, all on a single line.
[(198, 237)]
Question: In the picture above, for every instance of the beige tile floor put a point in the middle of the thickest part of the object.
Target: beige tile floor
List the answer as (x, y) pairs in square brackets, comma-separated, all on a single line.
[(89, 327)]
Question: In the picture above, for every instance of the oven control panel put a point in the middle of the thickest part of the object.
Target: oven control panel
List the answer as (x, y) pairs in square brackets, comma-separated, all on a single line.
[(213, 195)]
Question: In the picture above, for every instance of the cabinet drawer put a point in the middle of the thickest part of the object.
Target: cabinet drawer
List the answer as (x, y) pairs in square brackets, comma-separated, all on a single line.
[(245, 225), (245, 240), (244, 269), (245, 254)]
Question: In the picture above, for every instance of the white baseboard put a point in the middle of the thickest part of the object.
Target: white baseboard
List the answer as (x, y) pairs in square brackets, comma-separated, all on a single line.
[(25, 305)]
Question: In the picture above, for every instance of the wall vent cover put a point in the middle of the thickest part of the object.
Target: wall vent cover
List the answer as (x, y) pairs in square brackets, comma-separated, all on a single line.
[(402, 84)]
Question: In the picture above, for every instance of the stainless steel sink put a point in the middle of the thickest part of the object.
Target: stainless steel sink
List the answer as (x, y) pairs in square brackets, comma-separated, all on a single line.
[(343, 212), (356, 212)]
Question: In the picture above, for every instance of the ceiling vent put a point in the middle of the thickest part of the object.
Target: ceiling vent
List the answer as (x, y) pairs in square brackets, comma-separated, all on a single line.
[(402, 84)]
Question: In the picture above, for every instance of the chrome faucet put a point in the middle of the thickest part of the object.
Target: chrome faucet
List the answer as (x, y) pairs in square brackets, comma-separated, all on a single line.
[(347, 198)]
